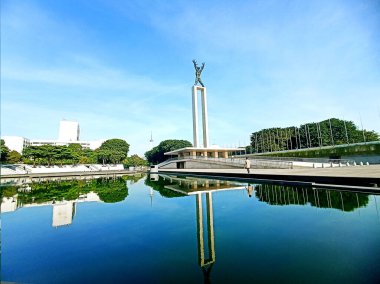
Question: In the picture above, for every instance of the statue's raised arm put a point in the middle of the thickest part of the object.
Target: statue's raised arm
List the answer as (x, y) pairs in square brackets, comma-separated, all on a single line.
[(203, 66)]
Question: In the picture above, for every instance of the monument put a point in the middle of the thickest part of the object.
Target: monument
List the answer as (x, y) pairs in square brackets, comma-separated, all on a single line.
[(202, 89), (186, 157)]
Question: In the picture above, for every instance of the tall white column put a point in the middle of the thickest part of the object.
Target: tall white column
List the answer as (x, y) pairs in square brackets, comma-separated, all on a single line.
[(204, 115), (195, 116), (204, 118)]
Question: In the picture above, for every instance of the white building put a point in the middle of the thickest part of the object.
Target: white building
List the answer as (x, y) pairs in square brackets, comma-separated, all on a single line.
[(16, 143), (68, 134), (85, 144), (68, 130)]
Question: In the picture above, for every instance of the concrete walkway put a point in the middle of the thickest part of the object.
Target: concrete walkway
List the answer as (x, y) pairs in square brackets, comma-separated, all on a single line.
[(69, 174)]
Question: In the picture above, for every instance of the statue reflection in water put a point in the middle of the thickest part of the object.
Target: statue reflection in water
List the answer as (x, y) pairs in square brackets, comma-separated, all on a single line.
[(205, 263), (203, 190), (275, 195)]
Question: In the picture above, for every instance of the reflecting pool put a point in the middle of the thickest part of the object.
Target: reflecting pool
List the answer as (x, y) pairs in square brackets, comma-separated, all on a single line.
[(173, 229)]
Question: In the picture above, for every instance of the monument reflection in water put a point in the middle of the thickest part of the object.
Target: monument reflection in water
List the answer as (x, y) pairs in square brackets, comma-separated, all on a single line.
[(202, 189), (275, 195)]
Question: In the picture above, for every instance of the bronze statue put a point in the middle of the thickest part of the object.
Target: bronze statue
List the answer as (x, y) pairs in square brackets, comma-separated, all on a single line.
[(198, 71)]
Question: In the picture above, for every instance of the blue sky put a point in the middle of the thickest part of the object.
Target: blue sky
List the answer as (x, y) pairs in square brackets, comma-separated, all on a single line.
[(123, 68)]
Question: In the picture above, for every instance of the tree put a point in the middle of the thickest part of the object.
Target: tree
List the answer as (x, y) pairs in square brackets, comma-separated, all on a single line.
[(134, 161), (88, 156), (113, 150), (116, 156), (49, 153), (13, 157), (75, 152), (249, 149), (61, 154), (156, 155), (115, 145), (4, 151), (102, 155), (33, 153)]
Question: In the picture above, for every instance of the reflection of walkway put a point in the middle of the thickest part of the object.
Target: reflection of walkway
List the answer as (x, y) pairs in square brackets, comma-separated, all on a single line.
[(193, 186)]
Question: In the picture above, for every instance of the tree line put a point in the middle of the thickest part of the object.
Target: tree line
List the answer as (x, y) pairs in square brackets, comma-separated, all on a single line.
[(156, 155), (112, 151), (329, 132)]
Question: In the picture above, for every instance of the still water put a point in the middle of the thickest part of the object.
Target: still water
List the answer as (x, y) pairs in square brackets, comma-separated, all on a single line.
[(170, 229)]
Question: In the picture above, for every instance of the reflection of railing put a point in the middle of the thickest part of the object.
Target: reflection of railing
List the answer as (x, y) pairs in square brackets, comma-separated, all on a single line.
[(191, 186), (236, 162)]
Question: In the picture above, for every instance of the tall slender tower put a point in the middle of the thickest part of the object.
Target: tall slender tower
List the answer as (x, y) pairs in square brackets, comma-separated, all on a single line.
[(151, 141)]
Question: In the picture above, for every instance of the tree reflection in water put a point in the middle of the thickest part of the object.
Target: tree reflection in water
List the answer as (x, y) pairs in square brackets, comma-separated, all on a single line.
[(321, 198), (109, 189)]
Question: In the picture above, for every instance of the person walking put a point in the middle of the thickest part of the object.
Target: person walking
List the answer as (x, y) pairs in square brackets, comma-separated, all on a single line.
[(247, 164)]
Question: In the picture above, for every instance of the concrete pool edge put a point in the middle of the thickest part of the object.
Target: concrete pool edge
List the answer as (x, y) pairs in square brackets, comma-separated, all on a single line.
[(358, 184)]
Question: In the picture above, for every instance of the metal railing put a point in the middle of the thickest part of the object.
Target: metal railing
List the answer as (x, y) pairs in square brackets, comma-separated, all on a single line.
[(309, 160), (235, 162)]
